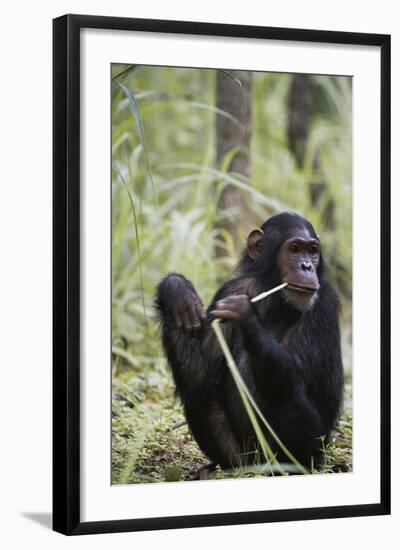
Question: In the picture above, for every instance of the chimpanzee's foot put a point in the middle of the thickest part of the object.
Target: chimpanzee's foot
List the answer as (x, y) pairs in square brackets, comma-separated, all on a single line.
[(206, 472)]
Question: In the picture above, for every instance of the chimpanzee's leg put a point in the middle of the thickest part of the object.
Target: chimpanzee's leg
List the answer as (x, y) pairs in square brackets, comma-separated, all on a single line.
[(190, 350)]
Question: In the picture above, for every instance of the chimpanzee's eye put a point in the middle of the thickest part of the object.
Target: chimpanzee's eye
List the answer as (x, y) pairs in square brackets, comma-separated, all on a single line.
[(313, 249), (294, 248)]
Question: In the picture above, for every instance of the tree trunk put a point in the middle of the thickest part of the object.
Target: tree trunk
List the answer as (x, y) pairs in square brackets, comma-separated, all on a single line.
[(236, 100), (302, 99), (301, 107)]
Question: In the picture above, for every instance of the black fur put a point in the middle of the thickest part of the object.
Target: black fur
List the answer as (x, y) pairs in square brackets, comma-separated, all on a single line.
[(289, 358)]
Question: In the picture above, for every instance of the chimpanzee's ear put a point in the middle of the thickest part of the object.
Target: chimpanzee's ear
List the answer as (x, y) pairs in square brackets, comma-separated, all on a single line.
[(255, 243)]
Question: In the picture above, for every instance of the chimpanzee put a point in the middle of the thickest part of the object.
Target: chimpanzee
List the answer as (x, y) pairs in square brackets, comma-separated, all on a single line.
[(287, 347)]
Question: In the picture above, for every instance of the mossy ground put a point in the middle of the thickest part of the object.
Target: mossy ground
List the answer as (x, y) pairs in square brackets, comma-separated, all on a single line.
[(151, 441)]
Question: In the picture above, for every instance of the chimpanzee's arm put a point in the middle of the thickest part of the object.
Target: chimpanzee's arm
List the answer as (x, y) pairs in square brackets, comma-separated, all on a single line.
[(271, 361)]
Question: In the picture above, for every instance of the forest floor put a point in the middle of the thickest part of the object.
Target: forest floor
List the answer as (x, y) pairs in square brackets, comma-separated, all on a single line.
[(151, 441)]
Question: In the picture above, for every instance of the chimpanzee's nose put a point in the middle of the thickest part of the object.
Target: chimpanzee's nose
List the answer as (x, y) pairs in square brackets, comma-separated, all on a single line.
[(306, 265)]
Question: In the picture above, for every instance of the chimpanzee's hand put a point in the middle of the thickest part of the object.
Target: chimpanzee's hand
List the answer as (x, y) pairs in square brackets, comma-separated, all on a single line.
[(232, 307), (186, 306)]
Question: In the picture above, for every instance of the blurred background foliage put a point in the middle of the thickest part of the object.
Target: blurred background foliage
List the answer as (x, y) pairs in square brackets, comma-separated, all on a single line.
[(186, 188)]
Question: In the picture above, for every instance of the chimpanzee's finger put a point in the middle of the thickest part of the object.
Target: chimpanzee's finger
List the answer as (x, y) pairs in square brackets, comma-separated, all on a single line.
[(236, 299), (224, 314), (201, 314), (194, 319), (186, 322), (177, 318), (227, 301), (221, 304)]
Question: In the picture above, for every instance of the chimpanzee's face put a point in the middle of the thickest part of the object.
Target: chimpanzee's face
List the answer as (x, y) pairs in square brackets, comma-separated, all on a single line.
[(298, 261)]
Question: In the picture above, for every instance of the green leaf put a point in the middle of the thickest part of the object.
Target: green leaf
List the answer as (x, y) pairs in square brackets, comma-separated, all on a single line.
[(140, 127), (136, 235)]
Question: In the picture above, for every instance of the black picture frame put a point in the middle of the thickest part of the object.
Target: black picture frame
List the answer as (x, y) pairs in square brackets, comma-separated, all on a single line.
[(66, 273)]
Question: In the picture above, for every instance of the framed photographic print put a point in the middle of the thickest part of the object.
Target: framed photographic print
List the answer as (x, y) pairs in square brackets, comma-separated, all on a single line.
[(221, 274)]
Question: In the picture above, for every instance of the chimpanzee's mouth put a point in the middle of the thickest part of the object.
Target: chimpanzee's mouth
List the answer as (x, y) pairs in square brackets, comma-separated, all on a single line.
[(299, 288)]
